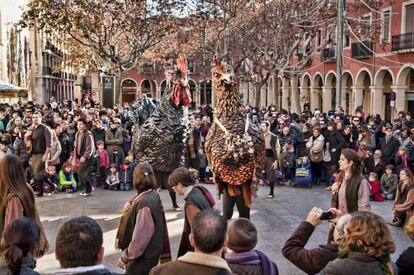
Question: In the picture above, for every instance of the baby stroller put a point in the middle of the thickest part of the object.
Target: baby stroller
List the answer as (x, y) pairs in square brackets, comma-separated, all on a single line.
[(303, 175)]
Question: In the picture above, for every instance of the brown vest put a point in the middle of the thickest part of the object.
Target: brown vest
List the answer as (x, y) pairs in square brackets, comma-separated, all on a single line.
[(154, 248), (39, 140), (404, 193), (351, 192)]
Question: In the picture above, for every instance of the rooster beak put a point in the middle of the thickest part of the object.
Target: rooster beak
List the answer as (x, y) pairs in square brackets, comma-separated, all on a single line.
[(227, 79)]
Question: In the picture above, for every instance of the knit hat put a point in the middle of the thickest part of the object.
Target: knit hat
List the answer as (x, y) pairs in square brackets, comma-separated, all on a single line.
[(242, 235)]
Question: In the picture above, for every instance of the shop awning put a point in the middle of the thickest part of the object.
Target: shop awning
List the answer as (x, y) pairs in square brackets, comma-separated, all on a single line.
[(8, 90)]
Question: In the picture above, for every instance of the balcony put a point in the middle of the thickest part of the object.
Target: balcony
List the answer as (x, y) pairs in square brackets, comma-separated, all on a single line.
[(328, 55), (46, 70), (403, 41), (361, 49)]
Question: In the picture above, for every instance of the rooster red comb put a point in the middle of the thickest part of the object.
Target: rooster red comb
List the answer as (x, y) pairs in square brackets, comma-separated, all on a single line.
[(182, 65)]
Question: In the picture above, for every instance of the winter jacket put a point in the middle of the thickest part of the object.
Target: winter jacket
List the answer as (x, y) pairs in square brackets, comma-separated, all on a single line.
[(371, 167), (126, 172), (27, 267), (310, 261), (66, 147), (98, 134), (389, 150), (289, 160), (316, 145), (389, 183), (63, 180), (82, 270), (126, 145), (54, 153), (103, 159), (405, 262), (376, 190), (357, 263)]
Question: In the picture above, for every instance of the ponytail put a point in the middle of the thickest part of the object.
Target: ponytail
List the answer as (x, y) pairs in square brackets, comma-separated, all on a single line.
[(14, 255)]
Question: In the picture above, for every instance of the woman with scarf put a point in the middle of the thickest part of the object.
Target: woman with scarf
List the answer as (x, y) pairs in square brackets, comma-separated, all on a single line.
[(316, 145), (142, 234), (365, 249)]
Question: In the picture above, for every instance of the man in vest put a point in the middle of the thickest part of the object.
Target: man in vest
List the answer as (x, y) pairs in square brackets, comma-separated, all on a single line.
[(197, 198), (41, 139), (209, 238), (83, 155)]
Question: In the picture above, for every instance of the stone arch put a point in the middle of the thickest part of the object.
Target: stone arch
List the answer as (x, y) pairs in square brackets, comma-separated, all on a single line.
[(363, 83), (329, 96), (305, 90), (404, 89), (317, 98), (128, 90), (383, 82), (163, 86), (347, 95), (148, 87), (403, 74)]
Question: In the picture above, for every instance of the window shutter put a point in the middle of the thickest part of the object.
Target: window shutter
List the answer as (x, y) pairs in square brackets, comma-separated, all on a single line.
[(409, 18)]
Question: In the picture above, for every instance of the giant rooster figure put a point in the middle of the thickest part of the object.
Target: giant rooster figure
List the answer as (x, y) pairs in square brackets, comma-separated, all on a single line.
[(161, 140), (235, 148)]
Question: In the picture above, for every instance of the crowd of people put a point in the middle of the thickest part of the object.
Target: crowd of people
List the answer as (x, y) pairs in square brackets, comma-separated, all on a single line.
[(70, 147)]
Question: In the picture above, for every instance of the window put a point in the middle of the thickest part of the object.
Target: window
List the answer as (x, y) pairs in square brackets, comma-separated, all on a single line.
[(332, 35), (318, 39), (365, 27), (385, 26), (409, 18), (347, 40)]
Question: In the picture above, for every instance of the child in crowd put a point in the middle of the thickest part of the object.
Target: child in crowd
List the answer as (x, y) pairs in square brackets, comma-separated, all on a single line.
[(389, 182), (67, 182), (29, 176), (51, 178), (126, 171), (103, 163), (375, 187), (112, 180), (4, 149), (289, 163)]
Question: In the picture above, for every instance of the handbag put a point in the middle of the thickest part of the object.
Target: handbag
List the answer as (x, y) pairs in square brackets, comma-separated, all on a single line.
[(326, 154), (316, 157)]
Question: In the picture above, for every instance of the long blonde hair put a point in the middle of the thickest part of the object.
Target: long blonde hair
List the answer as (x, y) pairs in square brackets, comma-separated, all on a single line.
[(13, 184)]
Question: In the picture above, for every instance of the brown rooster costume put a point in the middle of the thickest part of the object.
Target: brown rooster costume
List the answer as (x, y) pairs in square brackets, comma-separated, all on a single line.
[(161, 139), (235, 148)]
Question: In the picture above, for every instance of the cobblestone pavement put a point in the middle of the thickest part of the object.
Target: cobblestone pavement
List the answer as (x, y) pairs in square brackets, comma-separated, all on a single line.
[(275, 219)]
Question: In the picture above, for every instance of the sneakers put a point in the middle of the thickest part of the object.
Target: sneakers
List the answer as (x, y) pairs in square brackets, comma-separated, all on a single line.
[(270, 196), (395, 222), (84, 194), (176, 208)]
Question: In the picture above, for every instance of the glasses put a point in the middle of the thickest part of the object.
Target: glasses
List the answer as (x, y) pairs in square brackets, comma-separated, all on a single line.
[(356, 120)]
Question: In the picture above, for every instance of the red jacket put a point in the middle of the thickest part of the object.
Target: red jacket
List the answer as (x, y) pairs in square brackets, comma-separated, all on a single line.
[(103, 159), (376, 190)]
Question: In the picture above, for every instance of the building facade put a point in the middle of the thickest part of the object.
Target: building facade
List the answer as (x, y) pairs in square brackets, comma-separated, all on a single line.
[(379, 76)]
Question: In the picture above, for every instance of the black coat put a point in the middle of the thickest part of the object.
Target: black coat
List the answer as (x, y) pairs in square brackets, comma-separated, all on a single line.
[(371, 167), (98, 134), (389, 150), (405, 262), (311, 261)]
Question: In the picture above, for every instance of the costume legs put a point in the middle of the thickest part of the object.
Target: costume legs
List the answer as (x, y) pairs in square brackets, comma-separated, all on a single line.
[(228, 205)]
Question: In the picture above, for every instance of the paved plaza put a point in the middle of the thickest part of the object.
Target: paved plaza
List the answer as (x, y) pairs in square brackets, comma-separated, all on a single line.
[(275, 220)]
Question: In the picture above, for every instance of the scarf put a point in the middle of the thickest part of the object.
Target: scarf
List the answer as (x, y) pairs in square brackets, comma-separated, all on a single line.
[(68, 176), (166, 248), (253, 257)]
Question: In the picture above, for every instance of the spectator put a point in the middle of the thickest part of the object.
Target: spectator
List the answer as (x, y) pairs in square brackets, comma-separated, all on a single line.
[(98, 131), (55, 149), (389, 146), (289, 164), (375, 187), (404, 200), (126, 171), (103, 163), (374, 164), (352, 192), (312, 261), (315, 146), (83, 153), (272, 147), (365, 135), (142, 234), (17, 199), (389, 182), (126, 142), (405, 262), (79, 248), (197, 198), (241, 256), (365, 249), (67, 182), (401, 159), (19, 242), (41, 139), (112, 180), (209, 238), (113, 141)]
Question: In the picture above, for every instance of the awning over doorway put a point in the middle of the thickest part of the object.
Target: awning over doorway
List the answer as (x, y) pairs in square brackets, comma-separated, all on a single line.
[(8, 90)]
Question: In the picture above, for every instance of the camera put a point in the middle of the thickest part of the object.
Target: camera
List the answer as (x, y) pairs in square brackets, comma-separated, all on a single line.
[(326, 215)]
